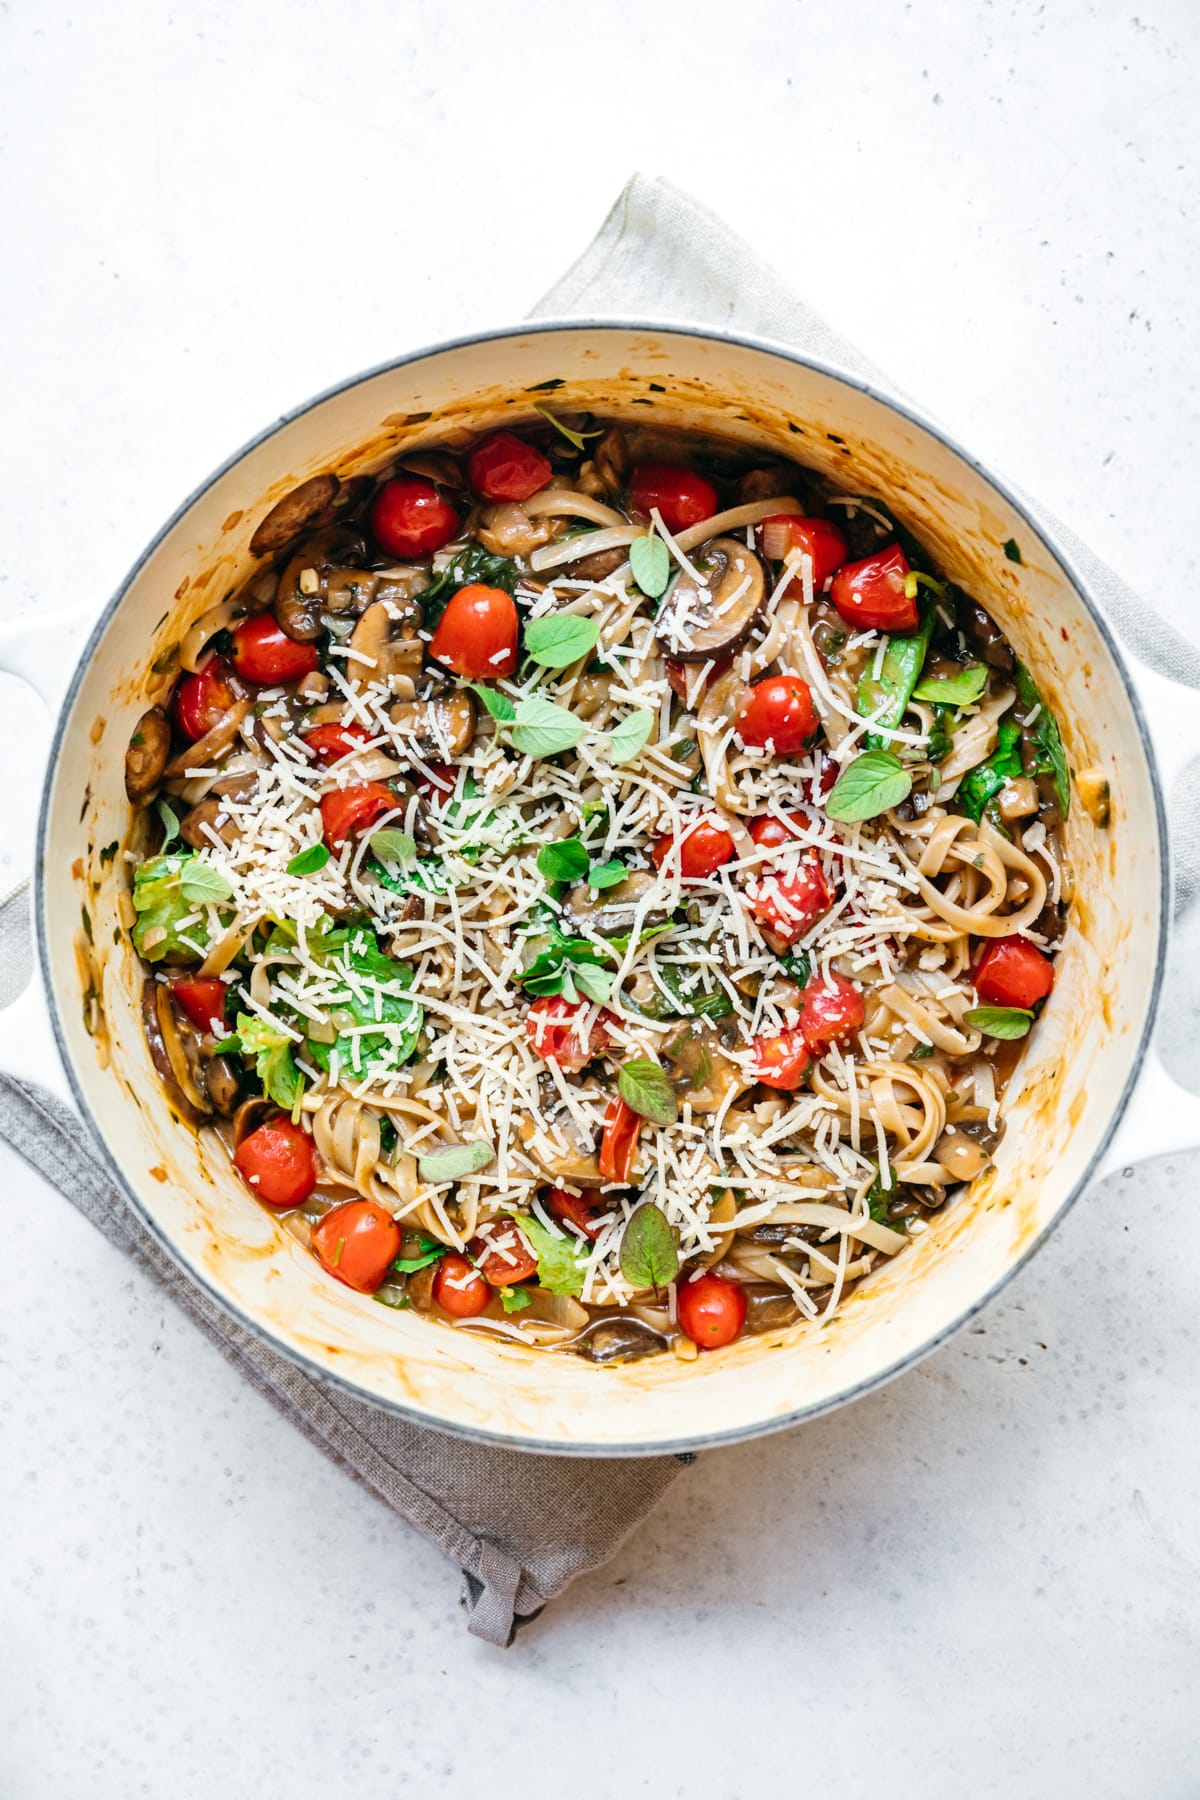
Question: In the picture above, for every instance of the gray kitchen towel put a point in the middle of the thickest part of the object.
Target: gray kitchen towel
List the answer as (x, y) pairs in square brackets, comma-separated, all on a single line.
[(520, 1527)]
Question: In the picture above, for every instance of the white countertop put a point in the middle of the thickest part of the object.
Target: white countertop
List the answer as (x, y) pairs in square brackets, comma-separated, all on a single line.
[(983, 1580)]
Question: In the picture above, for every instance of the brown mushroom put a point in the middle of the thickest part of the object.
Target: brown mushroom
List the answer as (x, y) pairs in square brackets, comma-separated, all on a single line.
[(600, 564), (507, 530), (766, 484), (304, 585), (222, 1084), (146, 757), (767, 1309), (249, 1116), (443, 727), (700, 621), (618, 1339), (984, 633), (699, 1070), (382, 645), (174, 1051), (617, 909), (435, 466), (208, 816), (305, 508), (961, 1156), (611, 459)]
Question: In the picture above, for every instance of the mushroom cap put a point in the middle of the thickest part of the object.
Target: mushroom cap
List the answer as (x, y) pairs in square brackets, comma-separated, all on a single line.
[(701, 620)]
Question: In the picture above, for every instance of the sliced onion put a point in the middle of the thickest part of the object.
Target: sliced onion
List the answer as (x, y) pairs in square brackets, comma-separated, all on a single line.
[(552, 501), (553, 556), (736, 517)]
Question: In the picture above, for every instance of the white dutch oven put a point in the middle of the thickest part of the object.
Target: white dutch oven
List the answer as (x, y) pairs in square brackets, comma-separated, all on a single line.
[(1087, 1070)]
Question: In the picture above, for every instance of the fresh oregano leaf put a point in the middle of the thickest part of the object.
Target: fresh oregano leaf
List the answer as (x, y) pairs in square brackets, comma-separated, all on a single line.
[(451, 1162), (170, 822), (515, 1299), (498, 704), (1000, 1021), (650, 561), (431, 1252), (649, 1254), (953, 690), (542, 729), (309, 861), (392, 847), (564, 860), (199, 881), (628, 739), (578, 438), (870, 785), (595, 983), (606, 874), (644, 1087), (559, 639)]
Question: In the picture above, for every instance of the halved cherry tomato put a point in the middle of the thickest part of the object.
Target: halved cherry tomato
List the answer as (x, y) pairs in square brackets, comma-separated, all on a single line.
[(771, 832), (580, 1210), (777, 713), (789, 905), (823, 542), (710, 1311), (505, 467), (781, 1061), (832, 1009), (502, 1254), (682, 497), (349, 810), (358, 1243), (202, 698), (329, 743), (555, 1032), (477, 635), (409, 517), (682, 677), (870, 594), (1013, 972), (459, 1288), (204, 1003), (277, 1162), (441, 780), (619, 1141), (703, 848), (264, 654)]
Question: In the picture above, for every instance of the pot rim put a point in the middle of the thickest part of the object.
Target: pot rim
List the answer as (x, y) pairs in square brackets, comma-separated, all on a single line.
[(906, 410)]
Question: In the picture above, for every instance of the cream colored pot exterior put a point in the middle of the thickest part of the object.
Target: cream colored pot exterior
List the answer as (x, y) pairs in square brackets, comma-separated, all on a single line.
[(1071, 1087)]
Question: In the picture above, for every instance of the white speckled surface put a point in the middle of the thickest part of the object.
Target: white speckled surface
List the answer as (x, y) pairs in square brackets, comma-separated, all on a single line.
[(983, 1580)]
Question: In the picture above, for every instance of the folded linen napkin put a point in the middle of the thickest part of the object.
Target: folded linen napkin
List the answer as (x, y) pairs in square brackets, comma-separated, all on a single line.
[(520, 1527)]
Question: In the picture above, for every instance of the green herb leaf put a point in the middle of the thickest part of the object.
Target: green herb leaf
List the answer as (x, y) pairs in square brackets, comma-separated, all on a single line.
[(628, 739), (1000, 1021), (515, 1299), (596, 983), (561, 1261), (393, 848), (431, 1252), (870, 785), (498, 704), (542, 729), (227, 1045), (678, 1002), (606, 874), (470, 565), (307, 862), (881, 1194), (1051, 757), (578, 438), (274, 1064), (1012, 550), (564, 860), (649, 1255), (546, 387), (954, 690), (559, 639), (170, 821), (650, 561), (986, 779), (204, 884), (451, 1162), (941, 736), (644, 1086), (162, 904), (382, 1000)]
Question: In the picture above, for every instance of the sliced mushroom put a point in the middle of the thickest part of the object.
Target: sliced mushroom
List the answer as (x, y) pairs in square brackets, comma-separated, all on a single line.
[(304, 584), (222, 1084), (382, 646), (961, 1156), (618, 1339), (174, 1051), (615, 913), (208, 816), (306, 508), (984, 633), (507, 530), (146, 757), (443, 727), (698, 621), (611, 460), (434, 465), (699, 1070), (249, 1116), (599, 565), (769, 1309), (766, 484), (1017, 799)]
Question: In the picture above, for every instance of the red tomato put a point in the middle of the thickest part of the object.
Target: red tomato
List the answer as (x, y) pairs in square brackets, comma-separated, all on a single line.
[(552, 1024), (776, 713), (477, 636), (784, 532), (441, 780), (832, 1010), (619, 1142), (357, 1242), (459, 1288), (201, 699), (353, 809), (578, 1209), (1013, 972), (502, 1254), (204, 1003), (681, 677), (277, 1162), (505, 467), (682, 497), (781, 1061), (789, 905), (703, 848), (268, 656), (870, 594), (329, 743), (710, 1311), (409, 517), (770, 832)]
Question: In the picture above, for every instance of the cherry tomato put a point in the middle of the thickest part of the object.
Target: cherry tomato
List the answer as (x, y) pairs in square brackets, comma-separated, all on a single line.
[(682, 677), (870, 594), (553, 1027), (477, 636), (201, 699), (781, 1061), (505, 467), (703, 848), (353, 809), (329, 743), (832, 1009), (681, 496), (441, 780), (409, 517), (459, 1288), (777, 714), (264, 654), (619, 1141), (789, 905), (580, 1210), (277, 1162), (1013, 972), (204, 1003), (771, 831), (357, 1242), (710, 1311), (784, 532), (502, 1254)]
